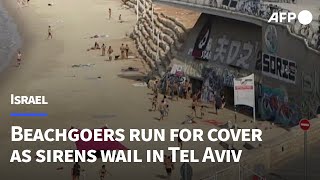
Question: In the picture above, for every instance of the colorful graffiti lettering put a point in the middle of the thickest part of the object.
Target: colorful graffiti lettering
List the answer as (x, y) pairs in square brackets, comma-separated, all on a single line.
[(212, 84), (274, 106)]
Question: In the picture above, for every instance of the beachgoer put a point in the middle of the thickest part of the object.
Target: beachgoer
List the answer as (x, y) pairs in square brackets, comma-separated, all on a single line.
[(103, 47), (202, 111), (223, 101), (127, 51), (109, 13), (96, 45), (120, 19), (155, 87), (218, 103), (168, 88), (103, 172), (179, 141), (175, 91), (76, 171), (189, 91), (185, 88), (122, 50), (19, 58), (166, 106), (49, 32), (154, 102), (110, 51), (193, 107), (213, 101), (168, 164), (161, 110)]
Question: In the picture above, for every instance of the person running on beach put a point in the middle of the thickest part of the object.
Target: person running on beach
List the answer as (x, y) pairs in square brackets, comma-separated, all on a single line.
[(223, 101), (103, 48), (109, 13), (103, 172), (161, 110), (76, 171), (185, 89), (168, 88), (49, 32), (179, 141), (175, 93), (120, 19), (168, 165), (122, 49), (218, 103), (202, 111), (127, 51), (19, 58), (155, 87), (166, 106), (154, 102), (110, 51), (193, 107), (96, 45)]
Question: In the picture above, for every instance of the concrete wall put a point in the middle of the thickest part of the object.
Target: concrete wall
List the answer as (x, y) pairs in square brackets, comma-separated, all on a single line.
[(304, 91), (287, 70), (238, 38)]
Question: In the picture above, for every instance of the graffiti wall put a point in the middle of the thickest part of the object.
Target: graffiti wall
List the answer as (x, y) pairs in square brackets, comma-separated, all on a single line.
[(310, 105), (225, 41), (275, 106), (287, 61)]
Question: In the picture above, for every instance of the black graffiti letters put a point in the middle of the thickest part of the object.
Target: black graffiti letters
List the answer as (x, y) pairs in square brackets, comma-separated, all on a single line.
[(279, 68)]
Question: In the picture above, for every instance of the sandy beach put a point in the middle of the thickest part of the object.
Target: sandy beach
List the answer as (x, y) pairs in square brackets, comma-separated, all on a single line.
[(77, 96), (74, 94), (88, 96)]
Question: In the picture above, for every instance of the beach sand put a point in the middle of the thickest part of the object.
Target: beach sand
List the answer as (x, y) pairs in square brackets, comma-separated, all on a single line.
[(76, 96)]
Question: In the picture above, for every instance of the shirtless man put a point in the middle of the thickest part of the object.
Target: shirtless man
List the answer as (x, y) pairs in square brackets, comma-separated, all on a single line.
[(193, 107), (168, 165), (175, 90), (120, 19), (154, 102), (127, 51), (103, 47), (161, 110), (122, 49), (110, 51), (109, 13), (49, 32)]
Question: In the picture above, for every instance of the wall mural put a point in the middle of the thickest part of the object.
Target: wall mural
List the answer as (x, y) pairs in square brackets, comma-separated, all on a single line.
[(214, 79), (202, 46), (275, 106), (279, 68), (234, 52), (224, 50), (310, 106)]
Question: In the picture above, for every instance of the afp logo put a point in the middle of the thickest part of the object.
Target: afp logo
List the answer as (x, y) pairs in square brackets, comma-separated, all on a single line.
[(304, 17)]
